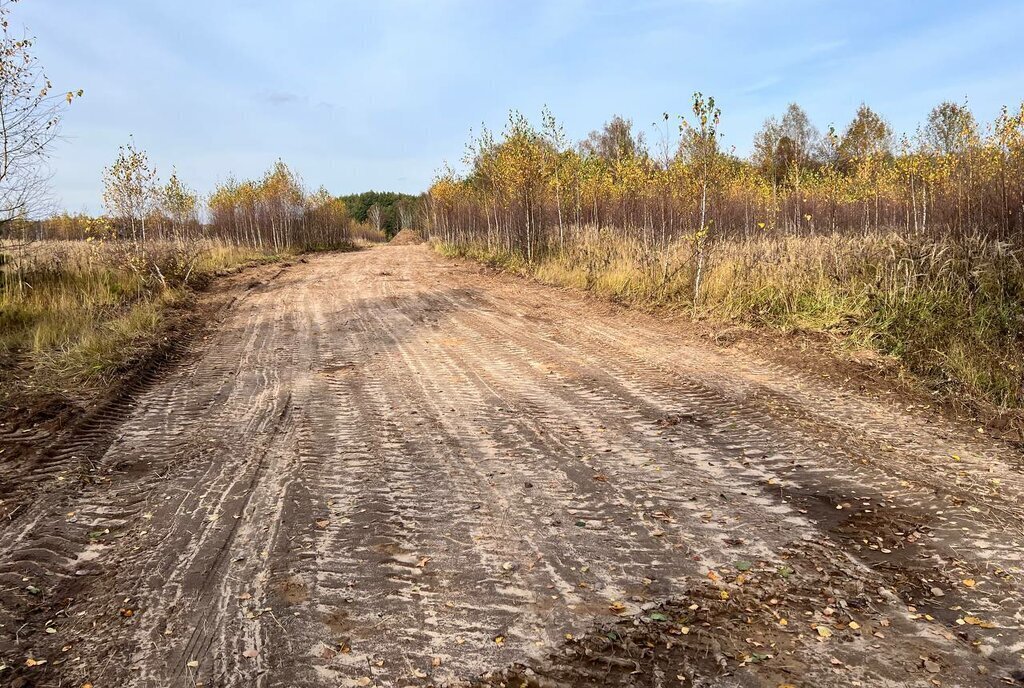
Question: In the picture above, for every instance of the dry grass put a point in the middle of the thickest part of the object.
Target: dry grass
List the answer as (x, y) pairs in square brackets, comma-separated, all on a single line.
[(951, 310), (364, 234), (73, 314)]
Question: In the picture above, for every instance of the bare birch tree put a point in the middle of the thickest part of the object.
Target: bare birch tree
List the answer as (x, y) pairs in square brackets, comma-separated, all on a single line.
[(375, 216)]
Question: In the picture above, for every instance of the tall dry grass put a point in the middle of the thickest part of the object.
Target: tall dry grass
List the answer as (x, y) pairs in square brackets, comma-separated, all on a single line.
[(74, 313), (364, 234), (950, 309)]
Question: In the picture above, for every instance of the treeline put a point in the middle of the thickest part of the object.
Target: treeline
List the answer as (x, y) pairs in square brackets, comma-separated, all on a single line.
[(910, 245), (386, 211), (529, 189), (271, 213), (276, 212)]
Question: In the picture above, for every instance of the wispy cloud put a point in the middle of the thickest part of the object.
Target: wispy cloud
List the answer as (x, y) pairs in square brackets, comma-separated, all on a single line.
[(762, 85), (280, 98)]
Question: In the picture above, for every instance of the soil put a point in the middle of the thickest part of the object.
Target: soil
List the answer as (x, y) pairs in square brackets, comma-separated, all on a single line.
[(407, 237), (384, 468)]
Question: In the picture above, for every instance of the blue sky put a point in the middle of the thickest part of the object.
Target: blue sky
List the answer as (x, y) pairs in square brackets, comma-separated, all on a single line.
[(361, 95)]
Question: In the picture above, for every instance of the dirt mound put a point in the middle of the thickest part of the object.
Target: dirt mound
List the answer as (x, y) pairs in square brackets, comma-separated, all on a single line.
[(407, 237)]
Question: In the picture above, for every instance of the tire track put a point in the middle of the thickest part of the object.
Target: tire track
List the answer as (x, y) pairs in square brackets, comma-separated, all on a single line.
[(385, 469)]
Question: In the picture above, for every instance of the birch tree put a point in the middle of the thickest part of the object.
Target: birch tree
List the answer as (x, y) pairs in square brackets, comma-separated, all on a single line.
[(129, 190), (30, 114), (179, 203), (700, 144), (376, 216)]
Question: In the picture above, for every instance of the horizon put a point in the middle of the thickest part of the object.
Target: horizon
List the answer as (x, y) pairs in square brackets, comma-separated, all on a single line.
[(359, 98)]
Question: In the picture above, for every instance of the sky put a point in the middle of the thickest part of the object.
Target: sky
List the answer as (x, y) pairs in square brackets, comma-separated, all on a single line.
[(380, 94)]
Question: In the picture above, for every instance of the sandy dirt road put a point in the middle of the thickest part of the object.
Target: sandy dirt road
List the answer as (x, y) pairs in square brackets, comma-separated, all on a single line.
[(383, 468)]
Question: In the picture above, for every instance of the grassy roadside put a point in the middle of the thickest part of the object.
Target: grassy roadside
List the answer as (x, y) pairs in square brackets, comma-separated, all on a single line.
[(74, 316), (951, 312)]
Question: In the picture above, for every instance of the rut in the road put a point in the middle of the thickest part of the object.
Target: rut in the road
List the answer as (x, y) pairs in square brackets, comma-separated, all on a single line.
[(383, 467)]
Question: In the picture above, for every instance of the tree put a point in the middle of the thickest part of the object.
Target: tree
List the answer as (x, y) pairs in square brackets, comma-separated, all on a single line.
[(865, 148), (30, 114), (507, 201), (406, 211), (700, 144), (179, 203), (867, 136), (766, 148), (784, 151), (359, 206), (614, 142), (801, 136), (952, 133), (281, 199), (950, 128), (554, 136), (797, 147), (129, 191), (275, 212), (376, 216)]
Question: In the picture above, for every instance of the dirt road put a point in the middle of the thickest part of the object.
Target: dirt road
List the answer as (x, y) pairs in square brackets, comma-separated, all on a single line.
[(382, 468)]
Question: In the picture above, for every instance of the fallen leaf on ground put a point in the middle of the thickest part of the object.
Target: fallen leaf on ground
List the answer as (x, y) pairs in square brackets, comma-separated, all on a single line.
[(975, 621)]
